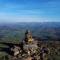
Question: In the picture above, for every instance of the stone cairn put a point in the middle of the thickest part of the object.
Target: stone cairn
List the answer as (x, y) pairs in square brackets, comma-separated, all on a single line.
[(28, 49)]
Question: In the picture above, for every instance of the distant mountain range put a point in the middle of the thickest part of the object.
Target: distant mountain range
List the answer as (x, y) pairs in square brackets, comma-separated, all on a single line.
[(40, 25)]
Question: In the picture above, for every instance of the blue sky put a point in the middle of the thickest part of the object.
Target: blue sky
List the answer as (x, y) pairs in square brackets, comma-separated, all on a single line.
[(29, 10)]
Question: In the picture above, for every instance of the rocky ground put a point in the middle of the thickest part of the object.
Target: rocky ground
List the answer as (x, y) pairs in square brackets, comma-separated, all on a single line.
[(53, 49)]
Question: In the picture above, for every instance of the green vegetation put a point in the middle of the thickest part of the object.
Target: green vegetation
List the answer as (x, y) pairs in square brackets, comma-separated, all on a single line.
[(15, 34)]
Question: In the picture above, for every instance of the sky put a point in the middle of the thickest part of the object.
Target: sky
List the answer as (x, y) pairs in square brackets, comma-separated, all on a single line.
[(29, 10)]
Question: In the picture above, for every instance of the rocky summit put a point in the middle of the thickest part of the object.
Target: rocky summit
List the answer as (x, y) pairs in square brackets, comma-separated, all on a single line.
[(29, 49)]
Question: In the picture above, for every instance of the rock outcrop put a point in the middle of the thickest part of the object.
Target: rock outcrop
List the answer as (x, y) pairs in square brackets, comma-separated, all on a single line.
[(29, 48)]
